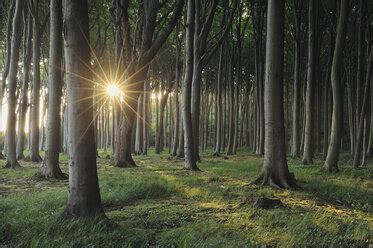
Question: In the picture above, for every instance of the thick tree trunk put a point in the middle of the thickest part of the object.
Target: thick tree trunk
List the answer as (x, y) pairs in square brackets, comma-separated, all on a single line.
[(311, 80), (275, 169), (331, 162), (84, 198), (26, 77), (50, 167), (11, 160)]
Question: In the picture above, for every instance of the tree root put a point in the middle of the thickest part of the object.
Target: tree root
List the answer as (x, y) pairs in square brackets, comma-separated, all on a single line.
[(36, 158), (47, 173), (10, 165), (281, 183), (331, 168)]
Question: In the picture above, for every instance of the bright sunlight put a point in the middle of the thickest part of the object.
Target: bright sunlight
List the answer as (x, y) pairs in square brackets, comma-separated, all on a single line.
[(113, 90)]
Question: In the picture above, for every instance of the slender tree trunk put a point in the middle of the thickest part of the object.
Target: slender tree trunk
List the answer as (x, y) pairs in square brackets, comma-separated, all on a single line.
[(295, 148), (219, 107), (11, 160), (84, 198), (327, 95), (176, 98), (25, 87), (8, 54), (50, 167), (190, 159), (311, 80), (35, 102), (331, 162), (362, 115)]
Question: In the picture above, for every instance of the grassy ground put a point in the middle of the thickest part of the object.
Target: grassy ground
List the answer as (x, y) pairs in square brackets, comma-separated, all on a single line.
[(160, 204)]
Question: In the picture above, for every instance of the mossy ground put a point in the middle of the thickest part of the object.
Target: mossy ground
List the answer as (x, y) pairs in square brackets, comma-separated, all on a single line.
[(160, 204)]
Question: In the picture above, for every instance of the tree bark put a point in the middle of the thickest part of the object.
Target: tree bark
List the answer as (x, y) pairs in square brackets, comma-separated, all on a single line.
[(25, 87), (84, 198), (311, 80), (275, 170), (50, 167), (35, 102), (331, 162), (295, 148), (190, 159), (11, 160)]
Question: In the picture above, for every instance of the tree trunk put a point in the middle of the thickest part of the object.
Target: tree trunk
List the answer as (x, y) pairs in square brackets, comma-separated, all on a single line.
[(25, 87), (219, 107), (50, 167), (275, 170), (8, 54), (190, 159), (295, 148), (35, 102), (311, 80), (11, 160), (84, 198), (176, 98), (331, 162), (327, 95), (360, 143)]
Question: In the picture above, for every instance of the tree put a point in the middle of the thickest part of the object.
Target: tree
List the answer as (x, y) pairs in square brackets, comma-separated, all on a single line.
[(331, 162), (50, 167), (190, 158), (275, 170), (25, 86), (35, 99), (84, 198), (11, 160), (146, 47), (311, 80), (295, 148)]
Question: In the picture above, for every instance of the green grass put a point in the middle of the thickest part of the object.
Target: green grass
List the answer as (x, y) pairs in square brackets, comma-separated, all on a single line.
[(160, 204)]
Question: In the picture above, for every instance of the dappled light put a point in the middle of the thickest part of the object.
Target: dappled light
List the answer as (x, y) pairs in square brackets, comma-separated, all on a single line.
[(186, 123)]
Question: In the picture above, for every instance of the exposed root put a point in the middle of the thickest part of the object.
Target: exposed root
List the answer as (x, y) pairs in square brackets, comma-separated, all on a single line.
[(47, 173), (331, 168), (128, 163), (283, 183), (34, 157), (12, 165)]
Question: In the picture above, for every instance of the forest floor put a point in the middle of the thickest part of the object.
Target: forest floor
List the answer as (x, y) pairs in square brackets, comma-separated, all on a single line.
[(160, 204)]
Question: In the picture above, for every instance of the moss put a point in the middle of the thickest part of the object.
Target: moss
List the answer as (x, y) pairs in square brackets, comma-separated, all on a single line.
[(160, 204)]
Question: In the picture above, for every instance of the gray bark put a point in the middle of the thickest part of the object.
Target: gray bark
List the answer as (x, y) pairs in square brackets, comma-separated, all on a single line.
[(84, 198), (11, 160), (50, 167), (331, 162)]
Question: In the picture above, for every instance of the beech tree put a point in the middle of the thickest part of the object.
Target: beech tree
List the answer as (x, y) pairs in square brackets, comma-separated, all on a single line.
[(11, 159), (275, 170), (50, 167), (331, 162), (84, 197)]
